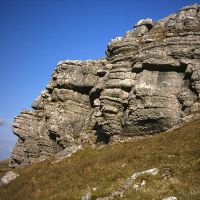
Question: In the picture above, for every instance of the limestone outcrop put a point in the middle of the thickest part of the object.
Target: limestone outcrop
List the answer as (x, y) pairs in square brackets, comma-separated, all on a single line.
[(148, 82)]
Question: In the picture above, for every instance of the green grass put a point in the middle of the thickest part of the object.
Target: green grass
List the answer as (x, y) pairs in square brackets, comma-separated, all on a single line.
[(178, 151)]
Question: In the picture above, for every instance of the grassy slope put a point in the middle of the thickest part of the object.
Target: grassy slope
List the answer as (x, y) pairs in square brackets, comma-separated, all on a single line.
[(178, 150), (4, 167)]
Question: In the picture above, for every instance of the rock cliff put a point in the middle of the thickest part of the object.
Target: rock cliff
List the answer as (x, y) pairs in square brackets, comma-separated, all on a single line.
[(148, 82)]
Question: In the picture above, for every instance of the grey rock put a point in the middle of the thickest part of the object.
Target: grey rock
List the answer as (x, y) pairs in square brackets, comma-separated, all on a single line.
[(130, 182), (149, 82), (8, 177), (170, 198), (87, 196), (66, 153)]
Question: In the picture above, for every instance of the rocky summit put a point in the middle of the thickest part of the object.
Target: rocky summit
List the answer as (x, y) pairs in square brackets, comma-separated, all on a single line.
[(148, 82)]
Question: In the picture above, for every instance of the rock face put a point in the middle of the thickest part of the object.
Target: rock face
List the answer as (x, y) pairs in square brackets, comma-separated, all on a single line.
[(149, 82)]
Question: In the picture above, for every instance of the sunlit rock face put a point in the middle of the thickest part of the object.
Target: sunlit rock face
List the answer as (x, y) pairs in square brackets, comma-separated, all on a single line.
[(149, 82), (61, 115)]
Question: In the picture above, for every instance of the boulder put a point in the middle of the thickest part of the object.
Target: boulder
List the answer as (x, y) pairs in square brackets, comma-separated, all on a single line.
[(170, 198), (8, 177)]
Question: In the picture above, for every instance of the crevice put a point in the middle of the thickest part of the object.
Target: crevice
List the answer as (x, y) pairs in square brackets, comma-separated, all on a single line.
[(102, 136), (53, 136), (187, 84), (126, 88), (149, 26), (137, 70), (164, 68), (80, 89), (56, 141), (188, 77), (93, 96), (125, 107), (14, 162), (101, 73)]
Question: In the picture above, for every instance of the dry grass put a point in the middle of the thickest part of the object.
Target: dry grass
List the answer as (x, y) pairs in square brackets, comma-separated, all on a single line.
[(178, 150), (4, 167)]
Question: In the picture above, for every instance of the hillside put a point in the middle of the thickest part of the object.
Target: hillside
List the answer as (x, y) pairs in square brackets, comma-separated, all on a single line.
[(102, 170)]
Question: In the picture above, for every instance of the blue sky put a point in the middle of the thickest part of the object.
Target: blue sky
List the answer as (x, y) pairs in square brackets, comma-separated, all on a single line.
[(36, 34)]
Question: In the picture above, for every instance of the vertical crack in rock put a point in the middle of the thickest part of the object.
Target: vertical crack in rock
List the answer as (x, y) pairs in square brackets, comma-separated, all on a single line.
[(148, 82)]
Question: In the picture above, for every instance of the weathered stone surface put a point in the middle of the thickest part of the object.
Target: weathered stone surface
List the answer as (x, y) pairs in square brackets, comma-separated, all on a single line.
[(121, 192), (67, 152), (170, 198), (61, 113), (8, 177), (131, 179), (87, 196), (149, 82)]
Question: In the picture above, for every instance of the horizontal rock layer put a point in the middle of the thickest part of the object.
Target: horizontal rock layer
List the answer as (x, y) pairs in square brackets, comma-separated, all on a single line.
[(149, 82)]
